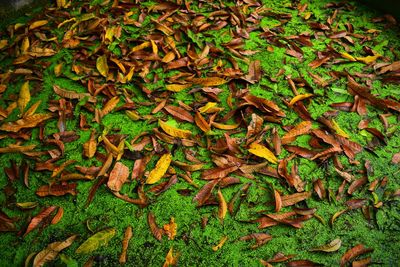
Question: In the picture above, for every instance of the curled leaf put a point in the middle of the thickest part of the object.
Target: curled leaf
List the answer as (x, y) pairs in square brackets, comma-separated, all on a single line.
[(333, 246), (51, 251), (175, 132), (102, 66)]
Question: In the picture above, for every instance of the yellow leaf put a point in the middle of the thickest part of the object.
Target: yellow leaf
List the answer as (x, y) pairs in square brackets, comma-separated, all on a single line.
[(175, 132), (3, 43), (102, 66), (61, 3), (170, 259), (338, 130), (170, 229), (37, 24), (209, 81), (167, 58), (140, 47), (207, 107), (133, 115), (25, 45), (348, 56), (119, 64), (58, 69), (110, 105), (299, 98), (220, 244), (109, 36), (368, 59), (262, 152), (24, 97), (225, 126), (177, 87), (154, 47), (333, 246), (223, 207), (160, 169)]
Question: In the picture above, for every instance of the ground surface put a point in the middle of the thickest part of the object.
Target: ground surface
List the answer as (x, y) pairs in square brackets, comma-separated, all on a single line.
[(272, 126)]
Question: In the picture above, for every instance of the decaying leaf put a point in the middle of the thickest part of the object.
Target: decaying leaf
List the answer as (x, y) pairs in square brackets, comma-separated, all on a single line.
[(155, 230), (209, 81), (170, 259), (118, 176), (223, 207), (26, 122), (38, 219), (332, 246), (97, 240), (24, 96), (170, 229), (57, 190), (90, 147), (160, 169), (125, 243), (51, 251), (353, 253)]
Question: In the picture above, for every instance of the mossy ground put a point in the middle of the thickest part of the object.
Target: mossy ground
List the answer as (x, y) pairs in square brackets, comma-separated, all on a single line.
[(192, 241)]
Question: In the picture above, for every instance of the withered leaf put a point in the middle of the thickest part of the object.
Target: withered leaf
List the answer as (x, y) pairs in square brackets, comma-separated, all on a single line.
[(332, 246), (204, 193), (51, 251), (220, 244), (353, 252), (38, 219), (57, 190), (300, 129), (179, 113), (24, 96), (223, 207), (260, 238), (155, 230), (69, 94), (292, 199), (170, 229), (125, 243), (97, 240), (26, 122), (170, 259), (118, 176), (209, 81), (175, 132), (160, 169), (102, 66), (262, 152), (90, 147)]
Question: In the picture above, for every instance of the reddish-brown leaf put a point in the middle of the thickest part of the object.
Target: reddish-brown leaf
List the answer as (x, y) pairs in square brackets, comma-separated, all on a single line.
[(155, 230), (204, 193), (260, 239), (179, 113), (57, 190), (302, 263), (38, 219), (58, 216), (118, 176), (278, 201), (290, 200), (353, 253), (219, 172)]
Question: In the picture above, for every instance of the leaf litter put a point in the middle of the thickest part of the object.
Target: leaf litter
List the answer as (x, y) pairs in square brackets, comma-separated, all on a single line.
[(146, 100)]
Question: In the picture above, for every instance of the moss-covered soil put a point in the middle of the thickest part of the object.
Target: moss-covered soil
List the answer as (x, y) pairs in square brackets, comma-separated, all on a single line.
[(270, 125)]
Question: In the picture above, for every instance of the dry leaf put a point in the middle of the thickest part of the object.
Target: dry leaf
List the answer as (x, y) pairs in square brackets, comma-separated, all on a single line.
[(262, 152), (125, 242), (38, 219), (97, 240), (102, 66), (51, 251), (209, 81), (118, 176), (170, 259), (24, 96), (160, 169), (300, 129), (170, 229), (333, 246), (155, 230), (220, 244), (177, 87), (175, 132), (26, 122), (223, 207)]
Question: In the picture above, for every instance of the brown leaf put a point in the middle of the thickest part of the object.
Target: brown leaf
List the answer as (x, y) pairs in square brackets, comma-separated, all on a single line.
[(125, 243), (58, 216), (118, 176), (278, 201), (57, 190), (179, 113), (72, 94), (201, 122), (223, 207), (204, 193), (217, 173), (51, 251), (300, 129), (290, 200), (90, 147), (353, 253), (209, 81), (302, 263), (396, 158), (38, 219), (26, 122), (260, 238), (155, 230)]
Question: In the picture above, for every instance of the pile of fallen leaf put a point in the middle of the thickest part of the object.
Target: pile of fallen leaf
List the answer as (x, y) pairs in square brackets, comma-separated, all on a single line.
[(243, 132)]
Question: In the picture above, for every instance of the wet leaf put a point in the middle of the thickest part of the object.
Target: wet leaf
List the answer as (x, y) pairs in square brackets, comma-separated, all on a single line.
[(332, 246), (160, 169), (96, 241), (262, 152), (51, 251), (118, 176)]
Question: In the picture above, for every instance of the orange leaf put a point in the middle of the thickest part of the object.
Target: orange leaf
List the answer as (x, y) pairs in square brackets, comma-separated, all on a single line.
[(170, 229), (300, 129), (118, 176), (209, 81)]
